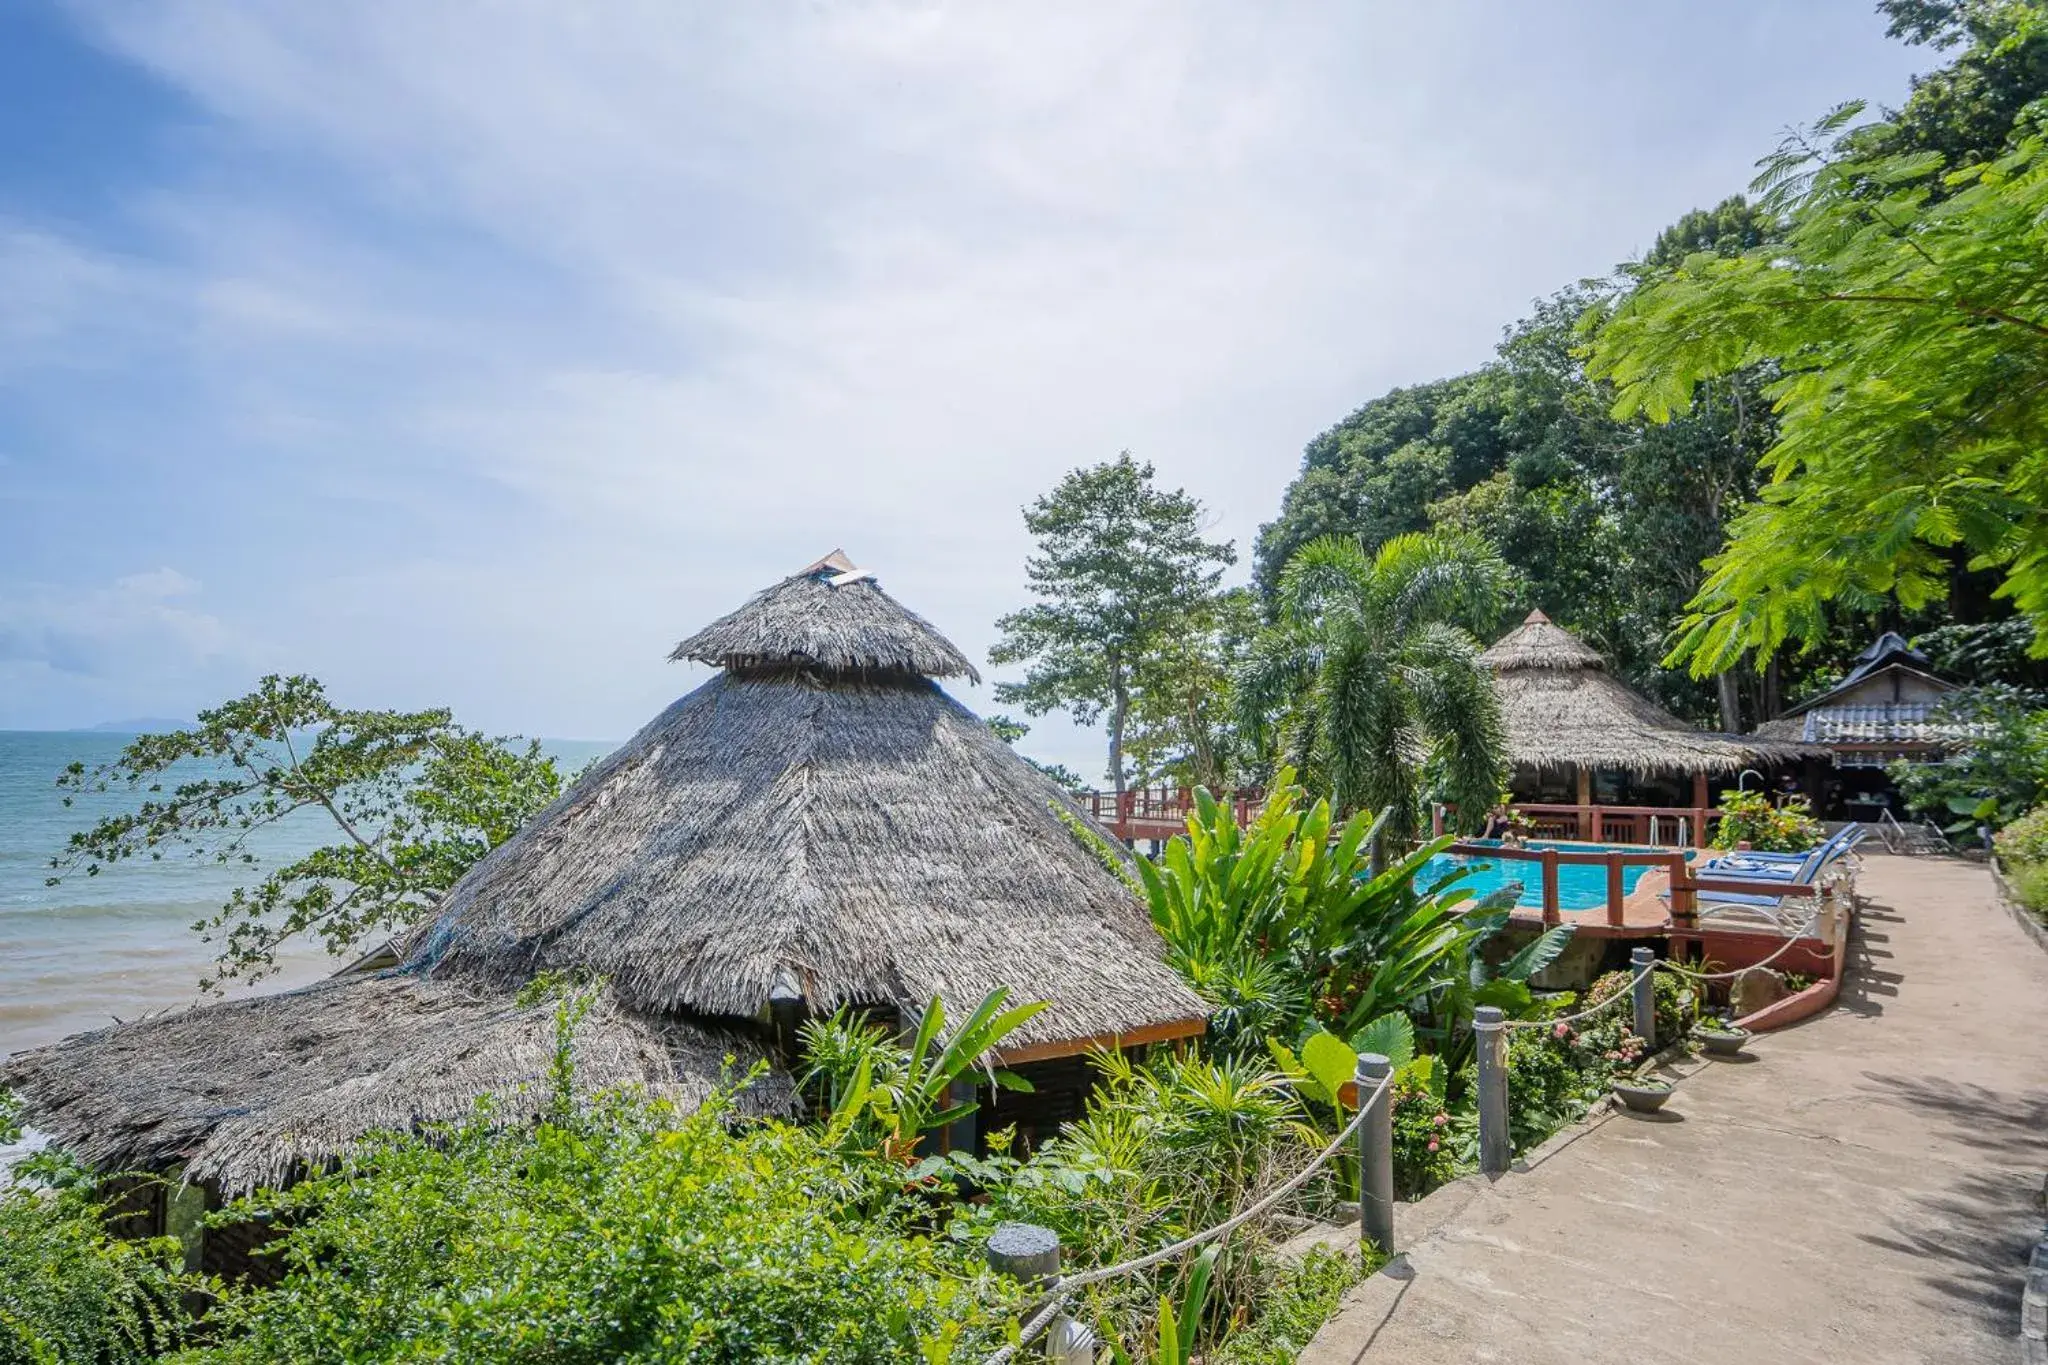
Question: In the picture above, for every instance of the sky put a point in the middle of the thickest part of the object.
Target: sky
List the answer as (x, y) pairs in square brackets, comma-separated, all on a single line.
[(473, 354)]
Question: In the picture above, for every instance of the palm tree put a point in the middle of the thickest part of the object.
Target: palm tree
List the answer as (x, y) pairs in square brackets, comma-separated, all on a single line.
[(1371, 675)]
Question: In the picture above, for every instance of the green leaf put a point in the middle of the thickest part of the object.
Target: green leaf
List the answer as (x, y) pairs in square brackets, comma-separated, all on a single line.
[(1391, 1035), (1538, 953), (1333, 1063)]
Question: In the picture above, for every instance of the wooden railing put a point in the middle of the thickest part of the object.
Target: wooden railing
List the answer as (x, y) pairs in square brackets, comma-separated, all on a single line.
[(1685, 884), (1161, 812), (1654, 826), (1549, 860)]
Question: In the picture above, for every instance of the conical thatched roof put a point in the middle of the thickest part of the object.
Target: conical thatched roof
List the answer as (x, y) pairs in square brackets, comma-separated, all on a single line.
[(830, 616), (1564, 710), (847, 830), (247, 1090)]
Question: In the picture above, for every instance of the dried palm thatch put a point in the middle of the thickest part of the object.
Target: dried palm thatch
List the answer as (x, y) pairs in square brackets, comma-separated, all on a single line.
[(862, 842), (248, 1092), (830, 616), (1564, 710)]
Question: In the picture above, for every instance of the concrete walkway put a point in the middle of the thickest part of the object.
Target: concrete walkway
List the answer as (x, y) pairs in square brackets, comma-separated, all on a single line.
[(1866, 1189)]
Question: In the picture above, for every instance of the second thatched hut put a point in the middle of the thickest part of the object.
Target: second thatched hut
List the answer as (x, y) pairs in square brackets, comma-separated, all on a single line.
[(1580, 736)]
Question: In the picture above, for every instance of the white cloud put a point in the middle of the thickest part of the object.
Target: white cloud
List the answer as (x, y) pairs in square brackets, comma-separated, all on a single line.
[(647, 304), (81, 655)]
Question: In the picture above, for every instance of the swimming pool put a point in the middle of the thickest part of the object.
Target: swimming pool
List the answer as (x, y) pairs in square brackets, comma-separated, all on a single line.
[(1580, 886)]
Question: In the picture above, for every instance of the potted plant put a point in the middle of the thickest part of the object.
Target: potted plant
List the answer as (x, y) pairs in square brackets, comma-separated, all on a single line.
[(1642, 1094), (1720, 1037)]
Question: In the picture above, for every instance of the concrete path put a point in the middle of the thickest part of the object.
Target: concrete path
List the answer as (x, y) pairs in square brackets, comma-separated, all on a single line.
[(1866, 1189)]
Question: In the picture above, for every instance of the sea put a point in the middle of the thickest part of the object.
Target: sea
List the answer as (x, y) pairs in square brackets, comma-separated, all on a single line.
[(92, 950)]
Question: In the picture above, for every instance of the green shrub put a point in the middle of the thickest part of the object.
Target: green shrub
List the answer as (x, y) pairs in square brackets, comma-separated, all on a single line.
[(1423, 1155), (2025, 840), (1749, 817), (1999, 775), (1291, 1309), (616, 1232), (71, 1292)]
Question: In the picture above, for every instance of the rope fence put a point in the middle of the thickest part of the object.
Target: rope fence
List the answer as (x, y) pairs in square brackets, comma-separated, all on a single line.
[(1063, 1288), (1608, 1003), (1495, 1153)]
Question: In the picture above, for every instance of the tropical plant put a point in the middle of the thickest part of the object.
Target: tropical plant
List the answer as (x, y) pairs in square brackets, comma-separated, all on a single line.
[(413, 798), (1179, 1326), (1284, 917), (1167, 1146), (618, 1231), (1372, 676), (1752, 818), (882, 1095), (1291, 1307), (72, 1290)]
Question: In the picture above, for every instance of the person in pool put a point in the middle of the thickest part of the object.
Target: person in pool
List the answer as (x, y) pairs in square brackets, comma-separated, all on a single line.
[(1499, 824)]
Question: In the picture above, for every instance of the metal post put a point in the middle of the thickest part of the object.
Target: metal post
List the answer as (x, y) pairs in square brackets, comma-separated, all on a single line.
[(1376, 1155), (1646, 996), (1496, 1151), (1031, 1254)]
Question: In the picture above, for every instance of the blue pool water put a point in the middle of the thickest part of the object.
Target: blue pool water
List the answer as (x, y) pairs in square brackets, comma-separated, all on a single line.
[(1580, 886)]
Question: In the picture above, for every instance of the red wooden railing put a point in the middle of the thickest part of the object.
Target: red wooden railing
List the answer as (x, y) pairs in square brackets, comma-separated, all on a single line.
[(1653, 826), (1161, 812)]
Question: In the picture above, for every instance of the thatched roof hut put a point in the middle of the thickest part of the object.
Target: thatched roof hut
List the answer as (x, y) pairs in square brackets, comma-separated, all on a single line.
[(818, 825), (822, 819), (1564, 710)]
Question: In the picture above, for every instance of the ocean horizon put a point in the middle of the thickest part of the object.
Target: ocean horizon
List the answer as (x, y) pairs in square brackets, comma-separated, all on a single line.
[(94, 950)]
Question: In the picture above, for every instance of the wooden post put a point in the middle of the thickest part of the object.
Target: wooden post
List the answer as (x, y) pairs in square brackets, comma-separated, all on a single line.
[(1586, 812), (1550, 911), (1700, 803), (1436, 819), (1496, 1152), (1614, 891), (1684, 903), (1376, 1156)]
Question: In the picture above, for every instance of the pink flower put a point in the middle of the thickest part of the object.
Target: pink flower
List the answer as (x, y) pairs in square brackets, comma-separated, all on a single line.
[(1612, 1055), (1563, 1030), (1432, 1144), (1440, 1120)]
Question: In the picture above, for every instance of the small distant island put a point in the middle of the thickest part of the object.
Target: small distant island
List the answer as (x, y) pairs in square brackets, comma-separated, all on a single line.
[(138, 725)]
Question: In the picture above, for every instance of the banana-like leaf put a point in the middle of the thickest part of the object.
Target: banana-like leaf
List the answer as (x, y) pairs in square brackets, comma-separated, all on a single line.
[(1331, 1061), (1391, 1035), (1538, 953)]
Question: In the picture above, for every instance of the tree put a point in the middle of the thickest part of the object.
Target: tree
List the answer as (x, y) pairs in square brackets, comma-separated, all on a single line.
[(1910, 334), (1374, 677), (1121, 569), (414, 799)]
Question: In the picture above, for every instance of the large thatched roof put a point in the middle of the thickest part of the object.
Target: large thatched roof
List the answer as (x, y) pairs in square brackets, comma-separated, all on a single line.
[(1564, 710), (856, 836), (247, 1090)]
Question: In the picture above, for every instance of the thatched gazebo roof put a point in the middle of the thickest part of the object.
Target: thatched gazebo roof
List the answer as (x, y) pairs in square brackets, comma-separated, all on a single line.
[(1563, 709), (819, 824), (819, 819)]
